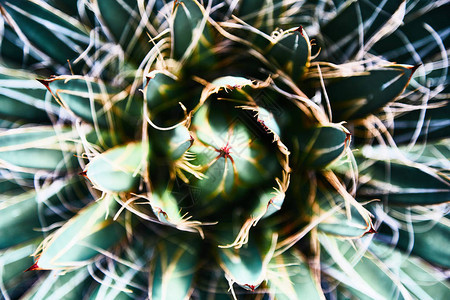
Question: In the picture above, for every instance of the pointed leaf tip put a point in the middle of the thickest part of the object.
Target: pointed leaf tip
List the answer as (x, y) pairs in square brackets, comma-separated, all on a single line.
[(413, 70), (250, 287), (371, 230), (300, 30), (34, 267)]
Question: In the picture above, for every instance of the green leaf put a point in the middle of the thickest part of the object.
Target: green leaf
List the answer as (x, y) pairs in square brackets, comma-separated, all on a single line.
[(59, 37), (167, 209), (117, 169), (81, 239), (130, 273), (260, 14), (232, 154), (92, 100), (386, 271), (191, 35), (38, 148), (268, 202), (19, 219), (57, 285), (389, 176), (247, 266), (163, 94), (357, 96), (290, 278), (340, 223), (413, 42), (421, 279), (173, 269), (291, 51), (14, 261), (319, 146), (171, 143), (219, 178), (70, 7), (23, 215), (436, 124), (431, 154), (123, 21), (22, 97), (424, 239), (356, 24), (14, 52), (359, 271), (5, 123), (15, 183)]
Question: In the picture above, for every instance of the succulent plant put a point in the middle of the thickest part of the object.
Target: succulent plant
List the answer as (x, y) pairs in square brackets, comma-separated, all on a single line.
[(224, 149)]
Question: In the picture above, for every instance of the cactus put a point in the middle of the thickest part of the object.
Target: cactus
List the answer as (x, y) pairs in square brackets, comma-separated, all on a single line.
[(188, 149)]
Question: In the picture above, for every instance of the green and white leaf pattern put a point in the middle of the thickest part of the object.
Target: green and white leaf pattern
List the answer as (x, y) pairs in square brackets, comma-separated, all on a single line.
[(206, 149)]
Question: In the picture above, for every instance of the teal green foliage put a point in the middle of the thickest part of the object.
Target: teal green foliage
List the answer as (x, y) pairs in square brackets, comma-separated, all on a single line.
[(251, 149)]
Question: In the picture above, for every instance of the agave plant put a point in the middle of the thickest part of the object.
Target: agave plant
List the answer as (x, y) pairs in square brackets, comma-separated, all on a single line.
[(224, 149)]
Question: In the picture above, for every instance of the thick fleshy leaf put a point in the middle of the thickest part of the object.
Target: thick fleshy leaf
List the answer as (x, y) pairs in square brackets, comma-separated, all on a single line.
[(118, 169), (291, 51), (386, 271), (125, 278), (163, 94), (173, 269), (356, 96), (422, 280), (422, 34), (23, 215), (19, 219), (8, 186), (259, 13), (168, 210), (425, 239), (191, 35), (5, 123), (81, 239), (123, 20), (14, 52), (172, 143), (247, 266), (357, 25), (14, 183), (431, 154), (60, 285), (320, 146), (67, 6), (13, 262), (407, 127), (268, 202), (93, 101), (389, 177), (230, 152), (38, 148), (290, 278), (57, 36), (218, 179), (210, 275), (359, 270), (340, 223), (23, 98)]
